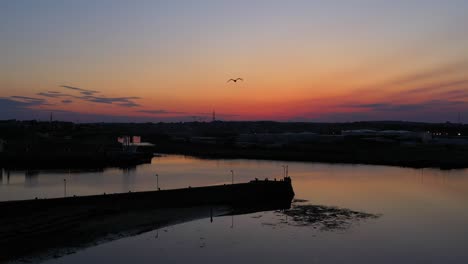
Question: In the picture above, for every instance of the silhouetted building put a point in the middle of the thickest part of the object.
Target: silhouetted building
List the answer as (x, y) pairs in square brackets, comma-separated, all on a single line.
[(388, 134), (278, 138), (131, 143)]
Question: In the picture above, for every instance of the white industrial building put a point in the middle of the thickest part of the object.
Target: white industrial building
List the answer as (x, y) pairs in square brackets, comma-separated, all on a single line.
[(131, 144), (395, 134)]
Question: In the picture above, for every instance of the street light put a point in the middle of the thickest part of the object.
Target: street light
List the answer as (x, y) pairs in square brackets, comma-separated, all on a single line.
[(64, 187), (232, 176), (157, 181)]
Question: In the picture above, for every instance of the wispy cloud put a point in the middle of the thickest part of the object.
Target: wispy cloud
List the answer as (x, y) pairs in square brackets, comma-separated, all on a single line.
[(428, 111), (397, 107), (455, 94), (159, 112), (217, 114), (434, 87), (52, 94), (121, 101), (29, 101), (20, 107), (411, 81), (386, 107), (431, 73), (90, 96), (81, 90)]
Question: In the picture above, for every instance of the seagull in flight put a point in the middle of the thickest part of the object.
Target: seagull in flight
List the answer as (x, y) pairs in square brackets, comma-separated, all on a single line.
[(235, 80)]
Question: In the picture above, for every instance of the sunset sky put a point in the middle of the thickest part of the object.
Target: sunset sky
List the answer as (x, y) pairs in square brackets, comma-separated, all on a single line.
[(315, 61)]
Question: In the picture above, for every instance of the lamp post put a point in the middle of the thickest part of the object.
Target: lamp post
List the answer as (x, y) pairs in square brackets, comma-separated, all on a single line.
[(64, 187), (157, 181), (232, 176)]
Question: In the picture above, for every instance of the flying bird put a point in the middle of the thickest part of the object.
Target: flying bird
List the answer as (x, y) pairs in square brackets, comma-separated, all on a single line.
[(235, 80)]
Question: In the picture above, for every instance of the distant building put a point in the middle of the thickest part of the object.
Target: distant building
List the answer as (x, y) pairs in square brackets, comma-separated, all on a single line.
[(128, 140), (277, 138), (203, 140), (131, 143), (359, 132), (125, 140), (390, 134)]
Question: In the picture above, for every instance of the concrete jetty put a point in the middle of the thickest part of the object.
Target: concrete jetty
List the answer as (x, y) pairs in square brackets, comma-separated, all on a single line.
[(31, 227)]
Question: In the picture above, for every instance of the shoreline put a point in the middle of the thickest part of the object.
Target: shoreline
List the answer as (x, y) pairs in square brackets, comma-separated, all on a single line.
[(44, 145), (406, 157), (86, 160), (93, 164)]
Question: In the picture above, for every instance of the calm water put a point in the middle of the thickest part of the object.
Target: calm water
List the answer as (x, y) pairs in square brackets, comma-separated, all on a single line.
[(423, 213)]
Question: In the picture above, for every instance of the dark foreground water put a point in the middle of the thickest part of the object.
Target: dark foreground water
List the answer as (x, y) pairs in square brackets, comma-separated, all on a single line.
[(383, 215)]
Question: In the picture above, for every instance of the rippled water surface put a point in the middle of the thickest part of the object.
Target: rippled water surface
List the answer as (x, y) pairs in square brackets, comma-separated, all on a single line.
[(343, 213)]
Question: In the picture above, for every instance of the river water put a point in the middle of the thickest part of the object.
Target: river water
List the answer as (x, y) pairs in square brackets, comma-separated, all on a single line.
[(418, 215)]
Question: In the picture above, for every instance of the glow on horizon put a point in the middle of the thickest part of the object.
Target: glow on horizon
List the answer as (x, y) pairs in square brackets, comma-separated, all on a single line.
[(305, 60)]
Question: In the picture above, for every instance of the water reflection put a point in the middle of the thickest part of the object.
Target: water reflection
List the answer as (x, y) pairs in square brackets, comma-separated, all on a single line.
[(38, 236), (128, 178), (3, 174), (180, 172), (422, 214), (31, 178)]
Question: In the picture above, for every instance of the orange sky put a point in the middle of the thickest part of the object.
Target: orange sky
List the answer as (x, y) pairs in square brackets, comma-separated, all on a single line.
[(304, 61)]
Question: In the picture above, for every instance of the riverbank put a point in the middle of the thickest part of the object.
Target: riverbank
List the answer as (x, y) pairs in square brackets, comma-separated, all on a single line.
[(73, 160), (413, 156), (34, 145)]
